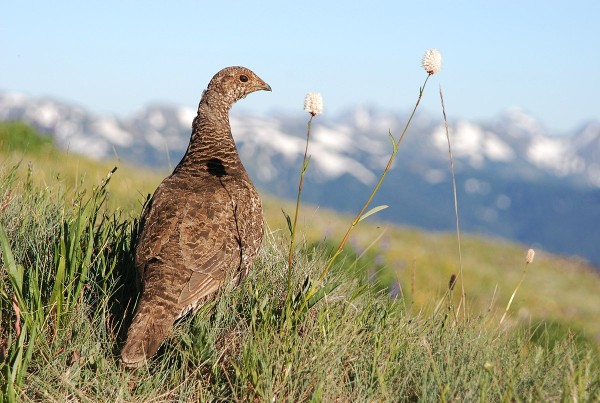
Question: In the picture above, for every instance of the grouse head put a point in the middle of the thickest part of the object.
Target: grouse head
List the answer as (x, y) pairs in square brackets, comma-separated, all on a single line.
[(232, 84)]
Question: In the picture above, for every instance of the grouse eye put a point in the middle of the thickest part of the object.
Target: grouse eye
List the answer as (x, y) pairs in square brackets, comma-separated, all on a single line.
[(243, 78)]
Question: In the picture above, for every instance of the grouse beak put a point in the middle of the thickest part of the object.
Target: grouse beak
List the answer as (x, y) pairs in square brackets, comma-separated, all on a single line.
[(261, 85)]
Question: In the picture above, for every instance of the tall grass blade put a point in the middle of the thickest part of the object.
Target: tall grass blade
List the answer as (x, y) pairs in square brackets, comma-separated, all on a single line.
[(15, 272)]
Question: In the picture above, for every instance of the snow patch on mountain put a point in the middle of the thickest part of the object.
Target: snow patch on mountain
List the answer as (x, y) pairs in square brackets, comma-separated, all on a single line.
[(546, 152), (12, 100), (186, 116), (496, 149), (110, 129), (156, 139), (586, 145), (89, 146), (556, 155), (266, 139), (521, 124), (362, 118), (336, 139), (255, 134), (46, 113), (157, 119), (593, 171), (332, 165), (472, 142)]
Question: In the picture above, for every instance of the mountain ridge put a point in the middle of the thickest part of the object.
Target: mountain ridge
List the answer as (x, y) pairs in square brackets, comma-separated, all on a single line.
[(514, 179)]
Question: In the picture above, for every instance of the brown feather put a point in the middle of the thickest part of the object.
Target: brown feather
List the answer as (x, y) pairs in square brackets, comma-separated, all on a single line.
[(203, 224)]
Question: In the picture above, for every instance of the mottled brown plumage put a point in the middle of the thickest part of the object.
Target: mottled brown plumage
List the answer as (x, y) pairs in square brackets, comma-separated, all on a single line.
[(203, 225)]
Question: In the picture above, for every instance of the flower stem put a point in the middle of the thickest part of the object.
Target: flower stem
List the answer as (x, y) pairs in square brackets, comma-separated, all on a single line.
[(300, 185), (514, 293)]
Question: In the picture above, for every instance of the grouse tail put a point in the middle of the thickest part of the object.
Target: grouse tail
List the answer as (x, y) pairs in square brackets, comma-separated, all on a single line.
[(145, 335)]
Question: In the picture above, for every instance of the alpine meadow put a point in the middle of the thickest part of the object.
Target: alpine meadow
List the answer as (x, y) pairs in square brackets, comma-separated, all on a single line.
[(334, 308)]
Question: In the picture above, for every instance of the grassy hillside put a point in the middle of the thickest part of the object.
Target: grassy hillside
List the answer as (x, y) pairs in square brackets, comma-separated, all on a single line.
[(41, 162), (387, 328)]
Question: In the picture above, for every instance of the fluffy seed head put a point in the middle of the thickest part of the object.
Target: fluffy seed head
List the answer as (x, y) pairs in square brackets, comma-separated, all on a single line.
[(313, 103), (530, 256), (432, 61)]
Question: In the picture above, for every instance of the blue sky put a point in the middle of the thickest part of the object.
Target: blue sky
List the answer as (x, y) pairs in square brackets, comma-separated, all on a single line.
[(114, 57)]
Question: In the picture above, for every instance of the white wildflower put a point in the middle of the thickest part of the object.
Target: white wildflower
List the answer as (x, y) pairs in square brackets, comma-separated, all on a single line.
[(432, 61), (530, 256), (313, 103)]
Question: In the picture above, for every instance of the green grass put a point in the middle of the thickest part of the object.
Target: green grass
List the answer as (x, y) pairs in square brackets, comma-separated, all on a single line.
[(67, 268), (48, 167), (18, 136)]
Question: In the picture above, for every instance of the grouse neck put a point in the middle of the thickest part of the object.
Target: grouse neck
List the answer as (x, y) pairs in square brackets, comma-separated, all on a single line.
[(211, 140)]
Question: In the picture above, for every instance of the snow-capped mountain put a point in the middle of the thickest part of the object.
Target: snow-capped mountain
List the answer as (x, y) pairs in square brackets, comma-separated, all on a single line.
[(354, 143), (515, 179)]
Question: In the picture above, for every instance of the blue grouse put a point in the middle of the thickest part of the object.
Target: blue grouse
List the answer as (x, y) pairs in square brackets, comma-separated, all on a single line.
[(202, 226)]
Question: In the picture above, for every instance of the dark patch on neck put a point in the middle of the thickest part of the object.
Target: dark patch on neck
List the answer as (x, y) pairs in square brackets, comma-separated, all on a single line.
[(216, 168)]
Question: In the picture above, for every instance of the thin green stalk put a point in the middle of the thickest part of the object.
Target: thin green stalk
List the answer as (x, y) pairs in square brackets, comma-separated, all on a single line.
[(359, 216), (300, 186), (514, 292), (460, 261)]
